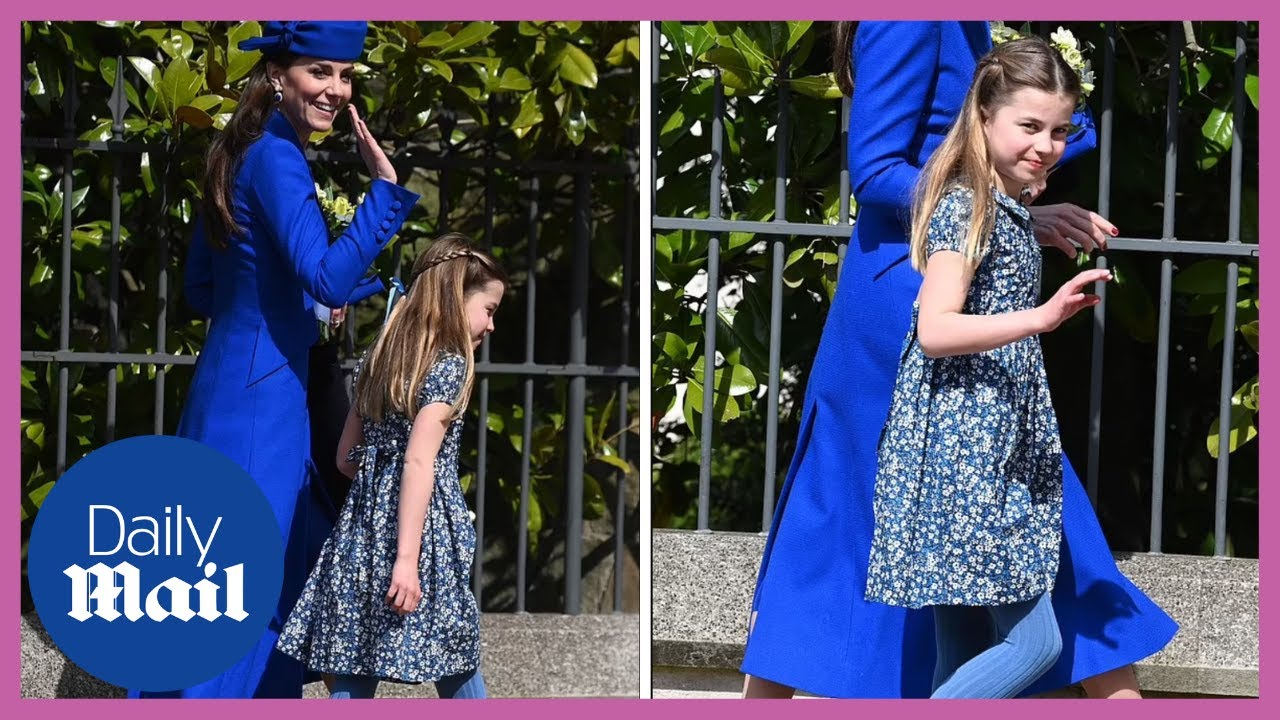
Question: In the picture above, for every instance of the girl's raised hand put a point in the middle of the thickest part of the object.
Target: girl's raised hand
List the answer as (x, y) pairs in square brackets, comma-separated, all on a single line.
[(1070, 299)]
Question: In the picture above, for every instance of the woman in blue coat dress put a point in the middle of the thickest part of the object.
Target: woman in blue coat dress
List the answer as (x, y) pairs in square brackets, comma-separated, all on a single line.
[(259, 259), (812, 627)]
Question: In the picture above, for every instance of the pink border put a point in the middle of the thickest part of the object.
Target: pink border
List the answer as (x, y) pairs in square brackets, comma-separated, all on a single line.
[(580, 10)]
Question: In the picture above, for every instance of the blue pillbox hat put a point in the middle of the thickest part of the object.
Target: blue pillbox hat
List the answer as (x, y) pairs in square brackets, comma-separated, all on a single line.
[(327, 40)]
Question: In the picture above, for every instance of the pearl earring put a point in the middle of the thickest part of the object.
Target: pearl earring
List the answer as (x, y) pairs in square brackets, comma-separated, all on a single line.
[(278, 96)]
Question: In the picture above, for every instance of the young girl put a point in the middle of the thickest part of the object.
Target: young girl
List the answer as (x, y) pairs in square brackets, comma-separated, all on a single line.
[(390, 596), (968, 496)]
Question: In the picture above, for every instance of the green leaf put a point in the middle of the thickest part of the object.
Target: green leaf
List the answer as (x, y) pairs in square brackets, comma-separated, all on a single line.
[(38, 495), (495, 423), (1131, 303), (735, 72), (572, 120), (675, 121), (795, 31), (194, 116), (617, 54), (1203, 76), (41, 273), (175, 43), (1243, 429), (618, 463), (468, 36), (1217, 134), (514, 80), (736, 380), (750, 50), (385, 53), (100, 132), (1250, 332), (148, 70), (1208, 277), (439, 38), (823, 86), (33, 430), (577, 68), (1246, 311), (107, 67), (724, 407), (441, 68), (240, 62), (179, 86), (672, 345), (1247, 394), (148, 179), (530, 114), (208, 103), (676, 33), (86, 235), (1251, 89)]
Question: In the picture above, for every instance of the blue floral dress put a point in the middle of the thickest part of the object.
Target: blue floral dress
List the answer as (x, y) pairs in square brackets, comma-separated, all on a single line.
[(342, 623), (968, 497)]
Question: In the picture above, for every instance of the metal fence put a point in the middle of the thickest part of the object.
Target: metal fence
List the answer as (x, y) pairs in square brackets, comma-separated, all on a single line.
[(779, 231), (447, 167)]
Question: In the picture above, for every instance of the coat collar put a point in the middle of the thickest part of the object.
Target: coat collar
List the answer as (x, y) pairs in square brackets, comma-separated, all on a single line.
[(280, 126)]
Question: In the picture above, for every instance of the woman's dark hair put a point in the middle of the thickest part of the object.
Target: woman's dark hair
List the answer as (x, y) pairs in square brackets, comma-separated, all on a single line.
[(228, 147), (842, 55)]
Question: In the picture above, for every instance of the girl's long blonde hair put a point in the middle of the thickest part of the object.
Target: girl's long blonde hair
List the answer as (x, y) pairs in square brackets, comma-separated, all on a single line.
[(962, 159), (431, 318)]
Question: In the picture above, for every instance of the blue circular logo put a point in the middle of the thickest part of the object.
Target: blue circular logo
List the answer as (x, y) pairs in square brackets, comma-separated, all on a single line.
[(155, 563)]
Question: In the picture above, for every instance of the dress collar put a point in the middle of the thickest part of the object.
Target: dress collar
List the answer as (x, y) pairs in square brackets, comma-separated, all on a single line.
[(1010, 204)]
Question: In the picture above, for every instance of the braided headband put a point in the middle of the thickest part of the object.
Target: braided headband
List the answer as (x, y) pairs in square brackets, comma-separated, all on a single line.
[(399, 290), (453, 255)]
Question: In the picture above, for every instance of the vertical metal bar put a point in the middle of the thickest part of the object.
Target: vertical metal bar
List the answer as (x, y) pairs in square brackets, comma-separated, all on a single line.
[(624, 389), (843, 245), (780, 140), (654, 125), (1106, 138), (1166, 283), (446, 150), (64, 323), (482, 429), (1229, 321), (162, 285), (118, 104), (530, 323), (709, 318), (577, 393)]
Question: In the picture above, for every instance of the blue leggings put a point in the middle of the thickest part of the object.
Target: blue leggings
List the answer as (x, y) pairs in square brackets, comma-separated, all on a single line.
[(464, 686), (994, 652)]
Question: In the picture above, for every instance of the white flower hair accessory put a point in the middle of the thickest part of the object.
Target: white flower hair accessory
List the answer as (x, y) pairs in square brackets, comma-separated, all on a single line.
[(1064, 41)]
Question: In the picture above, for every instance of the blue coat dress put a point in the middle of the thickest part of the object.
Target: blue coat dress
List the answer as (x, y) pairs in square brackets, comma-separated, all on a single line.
[(248, 395), (814, 629)]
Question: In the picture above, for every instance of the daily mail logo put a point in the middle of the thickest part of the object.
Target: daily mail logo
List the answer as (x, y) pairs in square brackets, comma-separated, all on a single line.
[(96, 587), (156, 563)]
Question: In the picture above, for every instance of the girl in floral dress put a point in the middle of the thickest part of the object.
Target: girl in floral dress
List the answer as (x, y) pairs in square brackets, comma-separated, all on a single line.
[(390, 596), (968, 496)]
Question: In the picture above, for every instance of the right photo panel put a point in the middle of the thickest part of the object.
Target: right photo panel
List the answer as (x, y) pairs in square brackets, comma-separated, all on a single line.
[(955, 359)]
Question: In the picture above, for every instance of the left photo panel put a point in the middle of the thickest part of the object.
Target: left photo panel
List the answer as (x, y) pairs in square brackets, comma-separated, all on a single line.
[(330, 380)]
